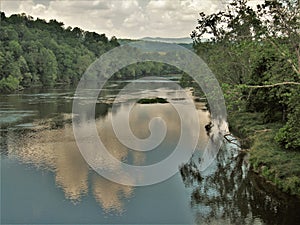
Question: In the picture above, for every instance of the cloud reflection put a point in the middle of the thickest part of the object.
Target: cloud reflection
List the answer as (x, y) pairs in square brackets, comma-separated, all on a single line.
[(56, 150)]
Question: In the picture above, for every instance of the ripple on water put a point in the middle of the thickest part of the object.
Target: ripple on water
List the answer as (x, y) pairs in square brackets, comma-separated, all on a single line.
[(14, 116)]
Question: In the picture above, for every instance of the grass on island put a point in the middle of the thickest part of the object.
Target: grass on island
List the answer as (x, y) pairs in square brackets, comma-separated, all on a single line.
[(279, 166), (152, 100)]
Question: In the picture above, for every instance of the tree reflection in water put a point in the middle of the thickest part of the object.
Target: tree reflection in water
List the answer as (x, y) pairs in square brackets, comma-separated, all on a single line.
[(229, 193)]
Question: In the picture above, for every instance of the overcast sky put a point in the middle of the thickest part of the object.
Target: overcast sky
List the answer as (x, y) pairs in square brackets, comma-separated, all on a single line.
[(122, 18)]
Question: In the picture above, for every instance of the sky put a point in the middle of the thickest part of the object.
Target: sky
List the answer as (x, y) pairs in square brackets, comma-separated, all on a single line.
[(120, 18)]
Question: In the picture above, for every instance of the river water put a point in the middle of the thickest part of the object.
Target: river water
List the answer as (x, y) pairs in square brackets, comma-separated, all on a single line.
[(44, 178)]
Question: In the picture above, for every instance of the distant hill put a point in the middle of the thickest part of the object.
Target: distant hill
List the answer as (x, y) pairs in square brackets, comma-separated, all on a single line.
[(179, 41), (123, 41), (184, 40)]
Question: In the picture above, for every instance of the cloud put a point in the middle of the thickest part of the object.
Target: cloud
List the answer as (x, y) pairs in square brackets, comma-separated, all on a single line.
[(122, 18)]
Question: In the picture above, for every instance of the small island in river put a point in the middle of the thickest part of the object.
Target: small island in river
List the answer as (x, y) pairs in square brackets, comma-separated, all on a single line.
[(152, 100)]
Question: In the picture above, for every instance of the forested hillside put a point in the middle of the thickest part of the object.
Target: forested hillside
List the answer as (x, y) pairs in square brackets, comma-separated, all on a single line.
[(36, 52)]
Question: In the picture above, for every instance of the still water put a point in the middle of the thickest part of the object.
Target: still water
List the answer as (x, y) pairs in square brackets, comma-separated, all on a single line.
[(44, 178)]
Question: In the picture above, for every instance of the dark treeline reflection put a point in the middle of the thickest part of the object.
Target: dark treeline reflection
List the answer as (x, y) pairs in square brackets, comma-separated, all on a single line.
[(229, 193)]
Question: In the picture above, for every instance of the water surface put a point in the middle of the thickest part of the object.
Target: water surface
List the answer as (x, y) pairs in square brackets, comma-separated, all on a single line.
[(44, 178)]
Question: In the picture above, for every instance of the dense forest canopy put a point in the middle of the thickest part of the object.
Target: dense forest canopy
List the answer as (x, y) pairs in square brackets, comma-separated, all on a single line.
[(254, 52), (36, 52)]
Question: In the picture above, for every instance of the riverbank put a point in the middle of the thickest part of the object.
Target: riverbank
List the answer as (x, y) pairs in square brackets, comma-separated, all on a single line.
[(279, 167)]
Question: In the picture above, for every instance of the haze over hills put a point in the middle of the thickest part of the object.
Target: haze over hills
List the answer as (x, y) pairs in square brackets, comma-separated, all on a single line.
[(183, 40)]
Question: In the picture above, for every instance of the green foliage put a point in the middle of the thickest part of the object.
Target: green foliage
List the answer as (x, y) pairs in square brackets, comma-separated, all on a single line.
[(289, 135), (36, 52), (233, 97), (186, 80), (9, 83), (47, 67), (282, 168), (238, 22), (142, 69)]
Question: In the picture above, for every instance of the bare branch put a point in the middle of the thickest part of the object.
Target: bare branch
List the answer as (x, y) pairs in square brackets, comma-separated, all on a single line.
[(231, 141), (273, 85)]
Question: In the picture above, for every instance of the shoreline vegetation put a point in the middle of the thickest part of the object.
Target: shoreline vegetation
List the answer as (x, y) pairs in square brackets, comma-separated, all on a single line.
[(267, 159)]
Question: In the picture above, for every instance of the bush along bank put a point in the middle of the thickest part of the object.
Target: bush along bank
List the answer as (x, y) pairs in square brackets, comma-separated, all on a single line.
[(276, 165)]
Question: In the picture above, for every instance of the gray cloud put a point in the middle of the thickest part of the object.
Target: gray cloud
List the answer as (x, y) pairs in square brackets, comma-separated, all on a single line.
[(122, 18)]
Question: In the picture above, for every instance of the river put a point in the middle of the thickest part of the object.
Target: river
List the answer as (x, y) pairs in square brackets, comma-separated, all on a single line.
[(44, 178)]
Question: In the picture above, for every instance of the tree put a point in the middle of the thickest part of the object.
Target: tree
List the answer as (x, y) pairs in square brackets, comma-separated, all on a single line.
[(8, 33), (282, 26), (238, 22), (16, 48), (82, 63), (47, 67), (24, 69), (31, 56), (289, 135), (114, 41), (9, 83)]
